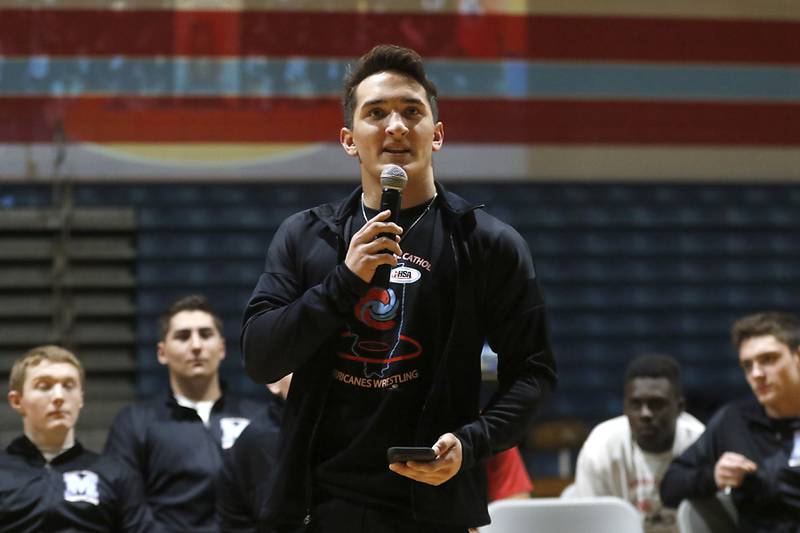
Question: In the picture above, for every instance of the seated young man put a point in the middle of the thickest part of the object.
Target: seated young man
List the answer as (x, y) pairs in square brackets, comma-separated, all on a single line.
[(174, 441), (627, 456), (48, 481), (751, 447)]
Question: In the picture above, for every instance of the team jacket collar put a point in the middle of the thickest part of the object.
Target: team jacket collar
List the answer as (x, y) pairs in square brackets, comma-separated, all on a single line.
[(23, 447), (335, 215), (754, 413), (172, 403)]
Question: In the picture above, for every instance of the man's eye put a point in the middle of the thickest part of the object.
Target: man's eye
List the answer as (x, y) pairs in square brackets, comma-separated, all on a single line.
[(376, 113), (412, 111)]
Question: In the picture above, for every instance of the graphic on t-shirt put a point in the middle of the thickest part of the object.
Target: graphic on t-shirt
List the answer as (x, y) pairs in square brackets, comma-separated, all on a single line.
[(376, 337), (377, 308)]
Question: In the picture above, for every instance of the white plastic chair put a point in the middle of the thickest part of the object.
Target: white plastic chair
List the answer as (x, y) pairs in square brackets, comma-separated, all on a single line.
[(568, 491), (707, 515), (553, 515)]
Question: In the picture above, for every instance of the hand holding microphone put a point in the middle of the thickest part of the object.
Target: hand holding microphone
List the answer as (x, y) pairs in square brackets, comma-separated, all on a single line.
[(393, 181), (371, 254)]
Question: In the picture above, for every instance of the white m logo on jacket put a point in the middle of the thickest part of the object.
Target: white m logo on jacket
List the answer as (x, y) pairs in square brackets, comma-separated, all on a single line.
[(81, 486)]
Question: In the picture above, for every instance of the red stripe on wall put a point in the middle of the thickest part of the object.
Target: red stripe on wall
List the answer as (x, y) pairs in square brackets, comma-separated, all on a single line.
[(477, 121), (319, 34)]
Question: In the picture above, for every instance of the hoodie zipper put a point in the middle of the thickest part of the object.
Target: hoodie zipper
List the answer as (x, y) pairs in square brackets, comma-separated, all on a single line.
[(445, 354), (308, 518)]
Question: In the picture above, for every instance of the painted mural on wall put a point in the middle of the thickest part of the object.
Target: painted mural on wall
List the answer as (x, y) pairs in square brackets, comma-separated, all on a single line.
[(542, 89)]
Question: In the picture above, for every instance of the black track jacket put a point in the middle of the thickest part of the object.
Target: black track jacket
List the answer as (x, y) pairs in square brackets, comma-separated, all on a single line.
[(78, 491), (177, 457), (769, 499)]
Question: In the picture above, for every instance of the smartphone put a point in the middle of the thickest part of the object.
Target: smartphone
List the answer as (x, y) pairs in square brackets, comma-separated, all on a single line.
[(401, 454)]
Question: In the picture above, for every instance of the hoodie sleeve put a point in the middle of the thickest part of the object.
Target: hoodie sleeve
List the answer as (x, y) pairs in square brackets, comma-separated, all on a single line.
[(691, 474), (286, 322), (135, 515), (125, 441), (513, 308)]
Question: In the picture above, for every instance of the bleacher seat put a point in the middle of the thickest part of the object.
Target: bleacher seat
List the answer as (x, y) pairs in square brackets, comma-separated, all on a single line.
[(625, 267)]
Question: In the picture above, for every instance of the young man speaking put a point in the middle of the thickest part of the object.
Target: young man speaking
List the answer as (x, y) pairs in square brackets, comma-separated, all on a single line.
[(399, 365)]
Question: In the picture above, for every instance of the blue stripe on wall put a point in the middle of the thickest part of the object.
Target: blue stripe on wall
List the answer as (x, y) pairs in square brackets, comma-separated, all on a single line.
[(298, 77)]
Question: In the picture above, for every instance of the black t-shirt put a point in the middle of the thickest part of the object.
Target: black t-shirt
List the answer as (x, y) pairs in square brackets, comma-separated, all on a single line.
[(383, 369)]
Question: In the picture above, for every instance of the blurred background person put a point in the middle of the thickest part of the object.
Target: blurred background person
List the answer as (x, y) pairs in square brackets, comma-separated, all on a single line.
[(507, 476), (627, 456), (245, 477), (174, 441), (751, 447), (48, 481)]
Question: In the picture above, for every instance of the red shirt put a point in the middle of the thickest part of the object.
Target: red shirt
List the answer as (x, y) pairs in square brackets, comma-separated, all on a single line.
[(507, 475)]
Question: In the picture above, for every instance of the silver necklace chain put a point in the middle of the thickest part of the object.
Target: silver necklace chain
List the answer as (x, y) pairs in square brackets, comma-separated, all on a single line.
[(406, 232)]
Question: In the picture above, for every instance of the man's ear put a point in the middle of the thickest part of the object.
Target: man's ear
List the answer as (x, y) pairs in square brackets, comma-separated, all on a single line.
[(162, 357), (438, 136), (15, 401), (348, 143)]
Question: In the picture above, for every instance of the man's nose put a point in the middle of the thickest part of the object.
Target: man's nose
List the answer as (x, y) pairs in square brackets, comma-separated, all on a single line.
[(58, 393), (195, 342), (396, 125), (756, 371), (645, 411)]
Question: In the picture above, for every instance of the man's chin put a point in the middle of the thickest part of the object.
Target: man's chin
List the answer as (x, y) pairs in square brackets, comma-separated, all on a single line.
[(652, 444), (198, 372), (60, 424), (764, 397)]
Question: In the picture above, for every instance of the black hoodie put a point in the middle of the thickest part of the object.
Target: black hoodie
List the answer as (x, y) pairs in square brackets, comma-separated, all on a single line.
[(302, 301)]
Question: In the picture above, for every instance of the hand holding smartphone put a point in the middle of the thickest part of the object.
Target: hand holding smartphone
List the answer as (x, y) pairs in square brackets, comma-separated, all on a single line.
[(402, 454)]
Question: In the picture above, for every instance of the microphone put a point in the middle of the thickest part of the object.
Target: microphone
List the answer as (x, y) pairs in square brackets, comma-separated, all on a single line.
[(393, 181)]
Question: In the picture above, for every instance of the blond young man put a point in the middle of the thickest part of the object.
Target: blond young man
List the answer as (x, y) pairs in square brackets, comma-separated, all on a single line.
[(48, 481)]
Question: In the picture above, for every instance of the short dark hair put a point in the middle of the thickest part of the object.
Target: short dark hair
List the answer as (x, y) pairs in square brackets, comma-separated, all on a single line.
[(783, 326), (382, 58), (193, 302), (655, 366)]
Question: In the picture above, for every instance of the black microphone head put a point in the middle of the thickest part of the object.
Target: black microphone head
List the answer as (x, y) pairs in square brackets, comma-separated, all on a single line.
[(393, 177)]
